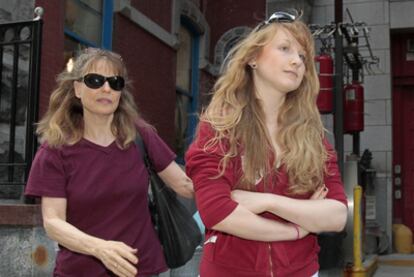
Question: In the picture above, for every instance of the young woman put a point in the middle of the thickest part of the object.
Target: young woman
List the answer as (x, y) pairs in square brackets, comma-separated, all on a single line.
[(266, 179), (91, 178)]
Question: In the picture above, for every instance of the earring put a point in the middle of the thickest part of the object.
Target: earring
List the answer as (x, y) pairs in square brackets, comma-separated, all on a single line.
[(253, 65)]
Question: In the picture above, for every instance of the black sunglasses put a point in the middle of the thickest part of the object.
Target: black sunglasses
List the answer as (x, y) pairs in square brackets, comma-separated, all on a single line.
[(280, 17), (94, 81)]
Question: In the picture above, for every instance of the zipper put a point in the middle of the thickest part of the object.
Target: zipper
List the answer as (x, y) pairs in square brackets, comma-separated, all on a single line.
[(270, 260)]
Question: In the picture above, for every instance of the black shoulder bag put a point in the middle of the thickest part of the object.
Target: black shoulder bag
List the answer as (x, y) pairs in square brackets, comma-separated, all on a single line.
[(177, 230)]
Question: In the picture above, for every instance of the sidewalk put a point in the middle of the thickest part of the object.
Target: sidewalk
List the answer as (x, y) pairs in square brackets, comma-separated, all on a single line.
[(401, 265), (393, 265), (394, 271)]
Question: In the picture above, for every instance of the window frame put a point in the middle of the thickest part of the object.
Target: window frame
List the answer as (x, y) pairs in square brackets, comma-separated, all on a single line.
[(106, 28), (192, 118)]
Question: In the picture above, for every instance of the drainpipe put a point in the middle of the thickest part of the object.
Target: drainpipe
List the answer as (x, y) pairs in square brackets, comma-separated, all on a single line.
[(339, 108)]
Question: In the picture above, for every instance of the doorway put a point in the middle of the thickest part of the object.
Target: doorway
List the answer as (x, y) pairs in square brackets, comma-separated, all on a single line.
[(403, 127)]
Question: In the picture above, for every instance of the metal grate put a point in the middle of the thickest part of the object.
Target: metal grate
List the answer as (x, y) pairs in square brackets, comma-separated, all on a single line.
[(20, 44)]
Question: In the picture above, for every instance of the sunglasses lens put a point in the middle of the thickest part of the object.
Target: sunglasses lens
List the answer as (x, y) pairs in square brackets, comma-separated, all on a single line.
[(94, 81), (116, 82)]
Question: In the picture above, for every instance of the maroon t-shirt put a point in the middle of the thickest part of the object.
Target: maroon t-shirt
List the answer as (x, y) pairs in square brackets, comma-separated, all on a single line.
[(106, 190)]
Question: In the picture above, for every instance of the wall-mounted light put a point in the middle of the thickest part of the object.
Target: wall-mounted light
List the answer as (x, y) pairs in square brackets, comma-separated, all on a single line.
[(69, 65)]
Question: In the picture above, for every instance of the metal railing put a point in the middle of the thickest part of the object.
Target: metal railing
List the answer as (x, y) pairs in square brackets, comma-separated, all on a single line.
[(20, 45)]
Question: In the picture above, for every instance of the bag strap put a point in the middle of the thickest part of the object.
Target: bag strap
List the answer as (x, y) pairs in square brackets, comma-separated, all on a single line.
[(144, 154)]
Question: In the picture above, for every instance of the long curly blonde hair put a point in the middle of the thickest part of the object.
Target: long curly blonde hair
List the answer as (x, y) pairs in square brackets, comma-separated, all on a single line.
[(237, 117), (63, 121)]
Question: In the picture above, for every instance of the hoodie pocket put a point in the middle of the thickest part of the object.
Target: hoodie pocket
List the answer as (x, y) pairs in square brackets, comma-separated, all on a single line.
[(301, 252), (209, 247), (236, 253)]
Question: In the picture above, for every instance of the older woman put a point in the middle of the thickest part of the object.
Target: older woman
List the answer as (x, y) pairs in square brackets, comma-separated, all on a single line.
[(91, 179)]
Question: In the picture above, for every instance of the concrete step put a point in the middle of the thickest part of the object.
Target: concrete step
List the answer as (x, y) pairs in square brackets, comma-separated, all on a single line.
[(396, 259)]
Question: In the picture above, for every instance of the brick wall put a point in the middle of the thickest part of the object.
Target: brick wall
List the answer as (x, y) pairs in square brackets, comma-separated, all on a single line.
[(151, 66), (52, 62), (227, 14), (158, 10)]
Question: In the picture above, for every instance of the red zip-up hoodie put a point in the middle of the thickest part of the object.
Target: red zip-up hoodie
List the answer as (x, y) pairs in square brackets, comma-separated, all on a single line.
[(225, 255)]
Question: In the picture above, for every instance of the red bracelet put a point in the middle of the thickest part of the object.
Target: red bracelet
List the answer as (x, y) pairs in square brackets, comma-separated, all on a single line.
[(297, 230)]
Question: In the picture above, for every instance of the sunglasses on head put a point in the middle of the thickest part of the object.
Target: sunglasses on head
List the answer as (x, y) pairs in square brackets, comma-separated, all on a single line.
[(95, 81), (280, 17)]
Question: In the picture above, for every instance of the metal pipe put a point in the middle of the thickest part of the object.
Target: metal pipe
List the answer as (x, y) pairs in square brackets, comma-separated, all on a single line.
[(13, 111), (356, 144), (339, 108), (33, 107)]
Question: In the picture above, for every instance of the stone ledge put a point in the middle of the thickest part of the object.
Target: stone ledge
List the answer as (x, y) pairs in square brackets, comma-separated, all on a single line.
[(20, 215)]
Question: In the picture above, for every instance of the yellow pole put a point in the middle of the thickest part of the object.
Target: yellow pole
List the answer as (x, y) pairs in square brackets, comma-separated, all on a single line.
[(357, 229), (357, 269)]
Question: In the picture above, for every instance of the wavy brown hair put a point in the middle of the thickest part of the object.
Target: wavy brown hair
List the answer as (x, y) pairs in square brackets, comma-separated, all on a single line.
[(63, 121), (237, 116)]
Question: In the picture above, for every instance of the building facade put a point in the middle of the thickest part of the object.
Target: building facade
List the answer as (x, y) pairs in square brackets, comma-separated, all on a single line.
[(388, 104), (174, 50)]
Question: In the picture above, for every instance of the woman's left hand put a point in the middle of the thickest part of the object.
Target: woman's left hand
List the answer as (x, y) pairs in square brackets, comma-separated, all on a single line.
[(256, 202)]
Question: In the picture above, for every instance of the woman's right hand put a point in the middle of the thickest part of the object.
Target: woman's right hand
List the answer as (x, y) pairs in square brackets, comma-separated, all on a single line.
[(117, 257), (320, 193)]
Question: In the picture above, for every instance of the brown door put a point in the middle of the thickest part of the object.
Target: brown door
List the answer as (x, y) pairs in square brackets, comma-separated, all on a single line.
[(403, 128)]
